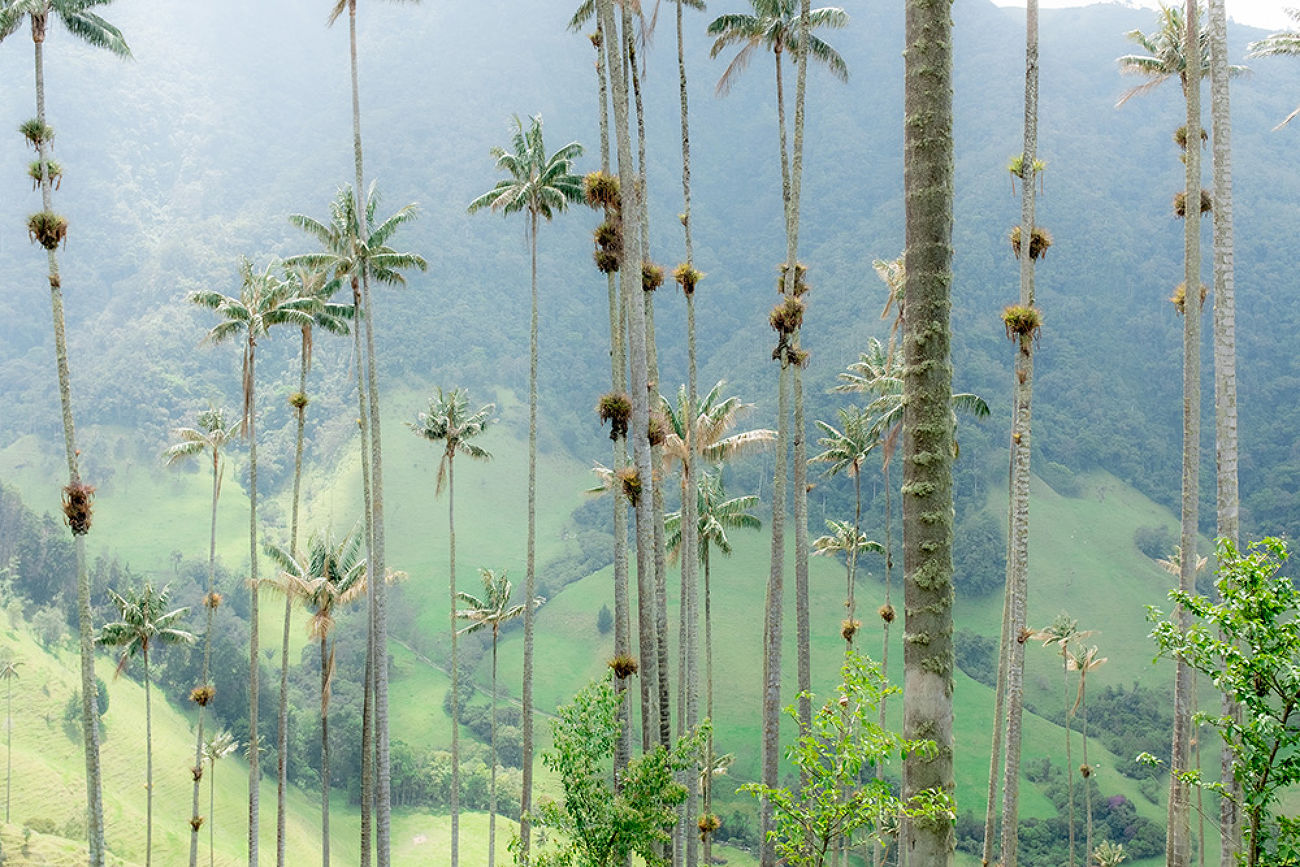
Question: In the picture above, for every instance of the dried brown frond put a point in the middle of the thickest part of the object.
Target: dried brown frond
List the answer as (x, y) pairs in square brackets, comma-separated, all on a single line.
[(1180, 203), (48, 229), (787, 316), (201, 695), (652, 276), (601, 190), (78, 507), (606, 262), (212, 600), (631, 482), (658, 430), (849, 628), (624, 666), (1039, 240), (886, 613)]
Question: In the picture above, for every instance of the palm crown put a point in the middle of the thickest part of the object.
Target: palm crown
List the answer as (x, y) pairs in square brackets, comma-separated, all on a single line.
[(715, 417), (75, 15), (774, 26), (717, 514), (1166, 54), (332, 573), (493, 609), (145, 622), (450, 422), (345, 252), (539, 184)]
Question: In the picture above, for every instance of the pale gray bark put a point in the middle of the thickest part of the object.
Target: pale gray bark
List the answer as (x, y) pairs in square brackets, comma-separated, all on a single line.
[(254, 741), (773, 620), (1177, 841), (455, 657), (1225, 373), (207, 649), (1013, 647)]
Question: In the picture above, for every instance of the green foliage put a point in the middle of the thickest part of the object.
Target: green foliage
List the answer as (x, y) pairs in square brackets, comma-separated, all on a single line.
[(833, 801), (1249, 645), (979, 556), (596, 825), (604, 620), (1155, 541)]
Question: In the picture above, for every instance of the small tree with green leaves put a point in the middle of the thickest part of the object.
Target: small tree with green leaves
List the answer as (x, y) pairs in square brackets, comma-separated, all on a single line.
[(597, 824), (833, 801), (1248, 643)]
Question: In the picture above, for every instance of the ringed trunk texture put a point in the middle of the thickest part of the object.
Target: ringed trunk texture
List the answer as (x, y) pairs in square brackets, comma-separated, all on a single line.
[(254, 742), (207, 653), (1013, 647), (1177, 841), (775, 612), (1225, 373), (927, 420)]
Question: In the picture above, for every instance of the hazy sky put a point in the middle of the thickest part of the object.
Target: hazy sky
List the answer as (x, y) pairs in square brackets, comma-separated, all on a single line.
[(1267, 14)]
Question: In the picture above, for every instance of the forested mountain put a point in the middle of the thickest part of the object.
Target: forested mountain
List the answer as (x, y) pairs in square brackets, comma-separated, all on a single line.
[(191, 156)]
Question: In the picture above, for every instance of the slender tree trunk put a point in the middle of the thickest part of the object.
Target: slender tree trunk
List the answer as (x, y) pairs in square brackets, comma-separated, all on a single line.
[(927, 420), (1069, 758), (383, 794), (802, 614), (85, 622), (1087, 780), (774, 608), (708, 703), (656, 452), (530, 581), (1225, 375), (254, 741), (210, 606), (326, 664), (995, 762), (9, 743), (455, 658), (148, 766), (492, 806), (618, 370), (212, 812), (1177, 843), (878, 851), (631, 267), (1013, 647), (690, 545), (282, 734), (367, 701)]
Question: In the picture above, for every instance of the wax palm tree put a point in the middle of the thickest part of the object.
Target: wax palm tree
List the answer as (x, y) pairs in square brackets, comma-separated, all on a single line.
[(845, 449), (332, 317), (1023, 323), (491, 611), (264, 301), (1165, 56), (1084, 660), (212, 435), (329, 575), (9, 672), (1168, 56), (540, 186), (358, 251), (217, 747), (1062, 632), (50, 229), (145, 623), (715, 514), (1282, 43), (450, 423)]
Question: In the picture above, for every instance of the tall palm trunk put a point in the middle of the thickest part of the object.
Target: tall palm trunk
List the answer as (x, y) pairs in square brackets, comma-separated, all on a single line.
[(1069, 757), (282, 729), (631, 267), (618, 379), (661, 672), (1013, 648), (254, 741), (802, 613), (530, 585), (707, 794), (85, 623), (1177, 842), (887, 617), (927, 419), (209, 603), (379, 613), (492, 795), (9, 743), (148, 765), (690, 505), (455, 660), (775, 609), (1225, 373), (367, 701), (326, 664), (212, 812)]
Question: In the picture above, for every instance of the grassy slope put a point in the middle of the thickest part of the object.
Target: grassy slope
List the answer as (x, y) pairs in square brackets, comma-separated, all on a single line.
[(1083, 561)]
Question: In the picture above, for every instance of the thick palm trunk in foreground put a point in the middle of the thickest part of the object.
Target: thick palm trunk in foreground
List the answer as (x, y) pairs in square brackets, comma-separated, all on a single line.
[(927, 420)]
